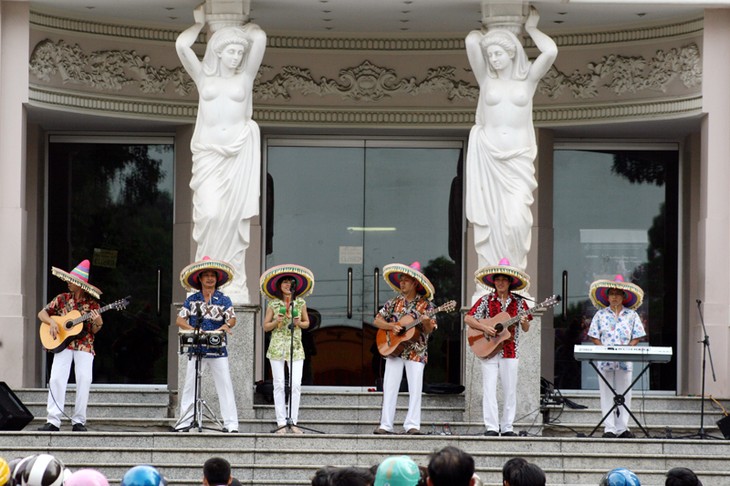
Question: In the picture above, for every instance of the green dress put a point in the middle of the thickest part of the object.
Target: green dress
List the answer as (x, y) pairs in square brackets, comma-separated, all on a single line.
[(281, 336)]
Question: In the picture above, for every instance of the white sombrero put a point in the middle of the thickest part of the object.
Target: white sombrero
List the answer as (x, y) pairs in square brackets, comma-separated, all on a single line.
[(190, 275), (519, 280), (634, 295), (303, 277), (392, 272), (78, 276)]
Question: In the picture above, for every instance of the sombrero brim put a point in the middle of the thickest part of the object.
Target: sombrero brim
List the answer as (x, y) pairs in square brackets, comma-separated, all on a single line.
[(599, 293), (392, 271), (519, 280), (189, 276), (67, 277), (270, 279)]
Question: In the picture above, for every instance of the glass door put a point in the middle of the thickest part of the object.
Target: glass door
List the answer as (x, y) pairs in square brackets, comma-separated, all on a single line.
[(346, 209)]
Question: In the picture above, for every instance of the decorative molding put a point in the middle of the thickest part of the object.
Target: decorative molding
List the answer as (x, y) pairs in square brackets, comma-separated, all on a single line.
[(366, 82), (451, 118), (626, 74)]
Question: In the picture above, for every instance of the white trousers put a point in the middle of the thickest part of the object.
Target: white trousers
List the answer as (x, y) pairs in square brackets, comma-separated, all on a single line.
[(60, 372), (391, 384), (277, 374), (506, 370), (223, 386), (618, 420)]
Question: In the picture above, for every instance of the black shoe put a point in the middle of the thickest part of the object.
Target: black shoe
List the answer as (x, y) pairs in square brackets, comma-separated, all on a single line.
[(226, 431), (48, 427), (509, 434), (491, 433), (79, 428), (626, 434), (609, 435)]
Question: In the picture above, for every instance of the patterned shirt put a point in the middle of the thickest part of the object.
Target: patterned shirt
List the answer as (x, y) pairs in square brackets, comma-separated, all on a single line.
[(490, 305), (613, 331), (280, 344), (398, 307), (64, 303), (214, 314)]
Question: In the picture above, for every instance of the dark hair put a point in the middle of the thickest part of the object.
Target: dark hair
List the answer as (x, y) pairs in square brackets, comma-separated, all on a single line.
[(519, 472), (351, 476), (323, 476), (450, 466), (217, 470), (287, 278), (200, 277), (682, 476), (510, 466)]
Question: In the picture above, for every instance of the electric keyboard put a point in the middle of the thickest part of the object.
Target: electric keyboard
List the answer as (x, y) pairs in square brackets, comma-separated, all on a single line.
[(651, 354)]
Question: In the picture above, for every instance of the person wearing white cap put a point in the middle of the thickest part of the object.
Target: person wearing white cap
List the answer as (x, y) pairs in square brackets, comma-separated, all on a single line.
[(81, 297), (209, 309), (413, 302), (616, 324)]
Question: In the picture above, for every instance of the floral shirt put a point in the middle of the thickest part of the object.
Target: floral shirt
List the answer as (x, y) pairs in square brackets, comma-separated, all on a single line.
[(613, 331), (398, 307), (490, 305), (214, 314), (280, 344), (64, 303)]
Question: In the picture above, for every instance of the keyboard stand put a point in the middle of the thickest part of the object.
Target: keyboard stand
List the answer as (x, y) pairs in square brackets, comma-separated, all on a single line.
[(619, 399)]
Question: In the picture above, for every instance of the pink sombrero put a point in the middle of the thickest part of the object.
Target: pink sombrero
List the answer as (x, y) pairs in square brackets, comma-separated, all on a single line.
[(78, 276), (519, 280), (599, 292), (303, 277), (190, 275), (392, 272)]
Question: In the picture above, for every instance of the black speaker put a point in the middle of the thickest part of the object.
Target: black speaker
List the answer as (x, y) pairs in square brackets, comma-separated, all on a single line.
[(724, 425), (13, 414)]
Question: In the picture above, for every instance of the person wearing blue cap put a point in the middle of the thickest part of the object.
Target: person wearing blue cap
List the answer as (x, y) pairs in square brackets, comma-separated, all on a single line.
[(397, 471), (619, 477)]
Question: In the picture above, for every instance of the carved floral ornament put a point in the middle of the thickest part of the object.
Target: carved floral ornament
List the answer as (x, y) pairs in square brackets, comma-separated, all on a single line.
[(112, 70)]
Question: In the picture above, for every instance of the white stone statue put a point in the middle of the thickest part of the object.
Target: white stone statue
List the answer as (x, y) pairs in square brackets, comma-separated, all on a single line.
[(226, 175), (500, 175)]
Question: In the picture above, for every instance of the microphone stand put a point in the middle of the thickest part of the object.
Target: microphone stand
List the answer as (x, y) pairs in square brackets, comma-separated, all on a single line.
[(198, 402), (705, 352), (289, 422)]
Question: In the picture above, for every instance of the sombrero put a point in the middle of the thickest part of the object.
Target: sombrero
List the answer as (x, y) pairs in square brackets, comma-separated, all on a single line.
[(392, 271), (599, 292), (190, 275), (303, 277), (78, 276), (519, 280)]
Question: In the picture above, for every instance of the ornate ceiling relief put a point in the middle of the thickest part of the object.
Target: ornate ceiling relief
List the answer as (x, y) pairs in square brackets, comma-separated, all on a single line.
[(624, 74)]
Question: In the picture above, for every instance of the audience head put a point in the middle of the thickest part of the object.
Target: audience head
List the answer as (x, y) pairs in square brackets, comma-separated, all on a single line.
[(4, 471), (39, 470), (323, 475), (397, 471), (450, 466), (351, 476), (620, 477), (143, 475), (518, 472), (86, 477), (680, 476), (216, 471)]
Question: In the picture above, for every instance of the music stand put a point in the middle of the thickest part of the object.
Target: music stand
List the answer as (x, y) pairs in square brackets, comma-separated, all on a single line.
[(619, 399), (289, 422), (199, 405)]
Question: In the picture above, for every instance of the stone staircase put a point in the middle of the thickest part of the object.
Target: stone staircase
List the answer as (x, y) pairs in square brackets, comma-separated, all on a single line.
[(129, 426)]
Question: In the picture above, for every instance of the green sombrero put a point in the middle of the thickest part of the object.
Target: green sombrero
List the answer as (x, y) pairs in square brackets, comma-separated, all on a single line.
[(78, 276), (633, 294), (392, 272), (303, 277), (190, 275), (519, 280)]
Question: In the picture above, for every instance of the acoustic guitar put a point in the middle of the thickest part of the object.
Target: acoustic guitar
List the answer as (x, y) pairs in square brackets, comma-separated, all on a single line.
[(484, 345), (71, 326), (391, 343)]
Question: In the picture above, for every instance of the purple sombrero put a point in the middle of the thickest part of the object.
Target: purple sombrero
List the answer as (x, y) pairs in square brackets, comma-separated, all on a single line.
[(303, 277), (190, 275), (599, 292), (519, 280), (78, 276), (392, 272)]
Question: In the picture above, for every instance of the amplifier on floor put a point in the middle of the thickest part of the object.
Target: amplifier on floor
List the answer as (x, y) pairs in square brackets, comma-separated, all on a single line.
[(13, 414)]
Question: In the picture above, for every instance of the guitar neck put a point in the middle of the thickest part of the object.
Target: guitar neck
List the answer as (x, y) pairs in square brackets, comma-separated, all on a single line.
[(86, 316), (422, 316)]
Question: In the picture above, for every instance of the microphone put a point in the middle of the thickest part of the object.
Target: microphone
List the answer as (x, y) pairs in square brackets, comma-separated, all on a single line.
[(698, 301)]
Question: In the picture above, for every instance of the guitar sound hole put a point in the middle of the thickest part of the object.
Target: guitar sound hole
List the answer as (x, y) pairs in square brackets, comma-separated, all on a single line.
[(498, 328)]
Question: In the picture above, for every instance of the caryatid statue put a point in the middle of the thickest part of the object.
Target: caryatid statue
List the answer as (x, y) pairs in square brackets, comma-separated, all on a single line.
[(500, 172), (226, 174)]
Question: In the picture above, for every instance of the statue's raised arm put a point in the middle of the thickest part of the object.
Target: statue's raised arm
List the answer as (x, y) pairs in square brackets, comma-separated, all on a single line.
[(500, 175)]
